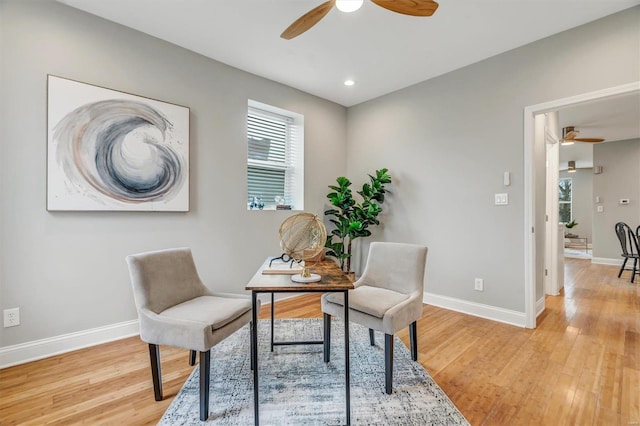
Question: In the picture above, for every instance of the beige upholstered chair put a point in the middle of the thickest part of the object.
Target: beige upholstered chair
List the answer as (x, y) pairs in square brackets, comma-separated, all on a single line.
[(387, 298), (176, 309)]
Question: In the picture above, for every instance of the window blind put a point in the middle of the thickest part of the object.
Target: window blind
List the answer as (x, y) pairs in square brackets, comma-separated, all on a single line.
[(273, 157)]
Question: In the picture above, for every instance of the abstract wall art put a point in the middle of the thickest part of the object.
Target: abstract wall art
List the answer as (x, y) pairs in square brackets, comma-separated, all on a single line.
[(109, 150)]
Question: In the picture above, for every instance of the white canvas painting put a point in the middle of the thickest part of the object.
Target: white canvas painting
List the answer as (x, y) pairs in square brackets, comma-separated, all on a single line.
[(109, 150)]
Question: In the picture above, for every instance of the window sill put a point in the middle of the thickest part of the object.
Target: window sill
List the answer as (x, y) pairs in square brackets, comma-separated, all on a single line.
[(273, 209)]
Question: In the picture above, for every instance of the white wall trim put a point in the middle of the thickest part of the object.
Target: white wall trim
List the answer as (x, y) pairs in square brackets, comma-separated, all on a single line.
[(540, 306), (529, 220), (44, 348), (529, 181), (493, 313), (605, 261)]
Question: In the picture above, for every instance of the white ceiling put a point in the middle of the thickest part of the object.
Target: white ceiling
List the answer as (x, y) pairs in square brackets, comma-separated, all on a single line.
[(381, 50)]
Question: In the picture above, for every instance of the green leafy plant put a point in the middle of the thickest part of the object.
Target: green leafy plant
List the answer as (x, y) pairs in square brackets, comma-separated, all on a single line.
[(571, 224), (352, 219)]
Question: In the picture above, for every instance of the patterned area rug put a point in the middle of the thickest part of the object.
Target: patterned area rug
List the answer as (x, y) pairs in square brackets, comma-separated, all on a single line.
[(298, 388)]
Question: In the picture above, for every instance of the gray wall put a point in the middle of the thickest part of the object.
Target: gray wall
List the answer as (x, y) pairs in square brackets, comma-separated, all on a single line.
[(620, 178), (582, 203), (66, 271), (448, 140)]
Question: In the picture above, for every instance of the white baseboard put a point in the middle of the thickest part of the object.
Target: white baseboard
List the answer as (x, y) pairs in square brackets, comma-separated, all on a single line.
[(476, 309), (606, 261), (44, 348), (540, 306)]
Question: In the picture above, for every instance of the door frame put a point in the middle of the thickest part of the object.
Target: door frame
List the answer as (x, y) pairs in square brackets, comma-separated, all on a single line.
[(530, 189), (553, 261)]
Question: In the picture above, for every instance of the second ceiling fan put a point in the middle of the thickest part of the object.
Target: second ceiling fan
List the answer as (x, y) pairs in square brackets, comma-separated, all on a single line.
[(406, 7), (569, 134)]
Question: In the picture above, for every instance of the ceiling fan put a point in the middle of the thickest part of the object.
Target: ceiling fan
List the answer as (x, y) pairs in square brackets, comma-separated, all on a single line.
[(569, 134), (406, 7)]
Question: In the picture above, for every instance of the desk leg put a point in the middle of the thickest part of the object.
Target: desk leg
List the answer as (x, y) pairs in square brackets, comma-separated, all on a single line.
[(347, 374), (327, 336), (254, 354), (272, 309)]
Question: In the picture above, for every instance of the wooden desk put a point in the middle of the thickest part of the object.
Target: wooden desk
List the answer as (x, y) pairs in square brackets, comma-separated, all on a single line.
[(333, 280)]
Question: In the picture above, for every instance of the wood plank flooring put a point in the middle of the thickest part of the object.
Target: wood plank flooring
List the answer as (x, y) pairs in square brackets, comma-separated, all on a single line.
[(581, 366)]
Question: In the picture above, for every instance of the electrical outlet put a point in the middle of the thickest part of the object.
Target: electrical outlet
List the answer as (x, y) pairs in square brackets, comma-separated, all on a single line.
[(11, 317), (479, 284)]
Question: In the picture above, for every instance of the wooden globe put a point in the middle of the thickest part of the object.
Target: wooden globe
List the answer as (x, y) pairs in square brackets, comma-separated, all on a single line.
[(302, 237)]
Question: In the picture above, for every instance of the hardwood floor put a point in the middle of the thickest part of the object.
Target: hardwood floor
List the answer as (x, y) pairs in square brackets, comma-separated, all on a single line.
[(580, 366)]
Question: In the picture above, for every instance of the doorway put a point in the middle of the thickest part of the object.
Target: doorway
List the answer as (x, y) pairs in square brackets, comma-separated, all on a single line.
[(535, 190)]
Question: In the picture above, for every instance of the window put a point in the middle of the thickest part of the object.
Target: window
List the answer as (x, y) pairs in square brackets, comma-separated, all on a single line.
[(565, 199), (275, 158)]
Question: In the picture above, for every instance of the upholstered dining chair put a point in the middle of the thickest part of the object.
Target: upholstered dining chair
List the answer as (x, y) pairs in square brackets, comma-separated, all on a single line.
[(386, 298), (176, 309), (629, 245)]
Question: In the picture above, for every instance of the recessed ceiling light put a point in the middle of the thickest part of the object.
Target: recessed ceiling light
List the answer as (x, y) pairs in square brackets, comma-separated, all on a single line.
[(349, 82)]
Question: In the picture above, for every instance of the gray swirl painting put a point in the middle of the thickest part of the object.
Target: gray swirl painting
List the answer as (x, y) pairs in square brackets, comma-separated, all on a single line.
[(114, 151)]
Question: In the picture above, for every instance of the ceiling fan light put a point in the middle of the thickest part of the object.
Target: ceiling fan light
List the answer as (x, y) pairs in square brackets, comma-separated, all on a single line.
[(571, 167), (349, 5), (566, 143)]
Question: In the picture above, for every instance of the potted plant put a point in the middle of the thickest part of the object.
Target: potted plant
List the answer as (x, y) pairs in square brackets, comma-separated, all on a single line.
[(570, 225), (352, 219)]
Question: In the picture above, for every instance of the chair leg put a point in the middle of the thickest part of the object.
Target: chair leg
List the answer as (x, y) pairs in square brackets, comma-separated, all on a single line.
[(205, 372), (327, 337), (635, 268), (622, 267), (156, 375), (413, 336), (192, 357), (388, 363), (372, 339)]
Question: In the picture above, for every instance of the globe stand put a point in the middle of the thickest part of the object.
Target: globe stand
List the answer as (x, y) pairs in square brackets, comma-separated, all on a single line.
[(306, 277)]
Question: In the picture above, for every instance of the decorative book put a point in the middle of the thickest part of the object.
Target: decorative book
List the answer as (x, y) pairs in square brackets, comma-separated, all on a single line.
[(279, 267)]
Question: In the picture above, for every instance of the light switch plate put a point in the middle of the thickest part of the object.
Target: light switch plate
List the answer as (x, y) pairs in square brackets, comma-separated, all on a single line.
[(600, 209), (501, 199)]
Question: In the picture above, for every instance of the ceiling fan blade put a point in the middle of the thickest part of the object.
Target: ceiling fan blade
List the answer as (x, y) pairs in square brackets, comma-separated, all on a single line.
[(594, 140), (409, 7), (307, 20)]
